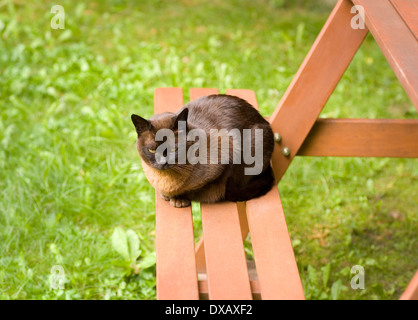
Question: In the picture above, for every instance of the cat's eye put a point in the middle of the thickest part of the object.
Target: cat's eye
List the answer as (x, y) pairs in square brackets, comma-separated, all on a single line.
[(174, 149), (151, 150)]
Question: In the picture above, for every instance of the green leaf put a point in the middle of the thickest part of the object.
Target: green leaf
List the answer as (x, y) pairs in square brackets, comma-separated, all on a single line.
[(65, 35), (378, 289), (370, 185), (326, 270), (312, 275), (336, 289), (323, 296), (371, 262), (148, 261), (120, 242), (133, 243)]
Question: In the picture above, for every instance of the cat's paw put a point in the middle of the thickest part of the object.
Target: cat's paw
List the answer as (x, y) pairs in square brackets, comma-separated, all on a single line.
[(164, 197), (179, 203)]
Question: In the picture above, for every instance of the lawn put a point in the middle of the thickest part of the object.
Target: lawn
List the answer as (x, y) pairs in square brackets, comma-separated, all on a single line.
[(72, 189)]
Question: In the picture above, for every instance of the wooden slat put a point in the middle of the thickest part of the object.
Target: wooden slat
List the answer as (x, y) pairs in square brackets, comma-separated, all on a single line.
[(408, 10), (243, 222), (272, 248), (200, 246), (176, 266), (314, 82), (200, 257), (362, 138), (226, 267), (248, 95), (196, 93), (225, 264), (278, 274), (204, 292), (168, 99), (396, 41), (411, 292)]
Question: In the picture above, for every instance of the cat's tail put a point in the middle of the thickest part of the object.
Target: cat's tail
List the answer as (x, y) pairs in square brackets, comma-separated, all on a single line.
[(258, 186)]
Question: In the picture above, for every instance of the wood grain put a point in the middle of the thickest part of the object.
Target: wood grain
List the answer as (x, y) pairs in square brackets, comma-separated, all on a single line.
[(397, 42), (408, 10), (196, 93), (277, 271), (314, 82), (224, 257), (226, 266), (176, 266), (362, 138)]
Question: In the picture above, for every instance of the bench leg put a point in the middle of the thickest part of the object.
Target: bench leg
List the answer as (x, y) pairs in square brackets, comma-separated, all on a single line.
[(411, 292), (314, 82)]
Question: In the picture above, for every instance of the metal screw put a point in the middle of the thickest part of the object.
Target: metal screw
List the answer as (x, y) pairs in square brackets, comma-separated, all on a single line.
[(277, 137), (286, 151)]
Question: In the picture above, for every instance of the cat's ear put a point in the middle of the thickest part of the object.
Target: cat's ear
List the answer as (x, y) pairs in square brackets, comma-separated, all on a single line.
[(141, 124), (182, 116)]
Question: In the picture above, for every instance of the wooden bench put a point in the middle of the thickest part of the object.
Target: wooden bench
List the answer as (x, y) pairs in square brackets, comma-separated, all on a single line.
[(217, 267), (220, 258)]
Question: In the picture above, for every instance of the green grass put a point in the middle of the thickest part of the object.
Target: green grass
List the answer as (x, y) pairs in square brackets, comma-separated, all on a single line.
[(70, 174)]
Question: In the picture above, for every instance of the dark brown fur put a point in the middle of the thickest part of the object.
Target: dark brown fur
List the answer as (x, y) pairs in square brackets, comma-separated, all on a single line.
[(207, 183)]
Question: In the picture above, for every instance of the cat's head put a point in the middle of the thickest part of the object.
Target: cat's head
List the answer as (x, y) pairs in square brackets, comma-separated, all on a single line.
[(162, 154)]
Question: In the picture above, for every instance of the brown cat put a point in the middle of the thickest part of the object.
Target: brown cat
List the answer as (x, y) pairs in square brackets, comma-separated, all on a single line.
[(215, 148)]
